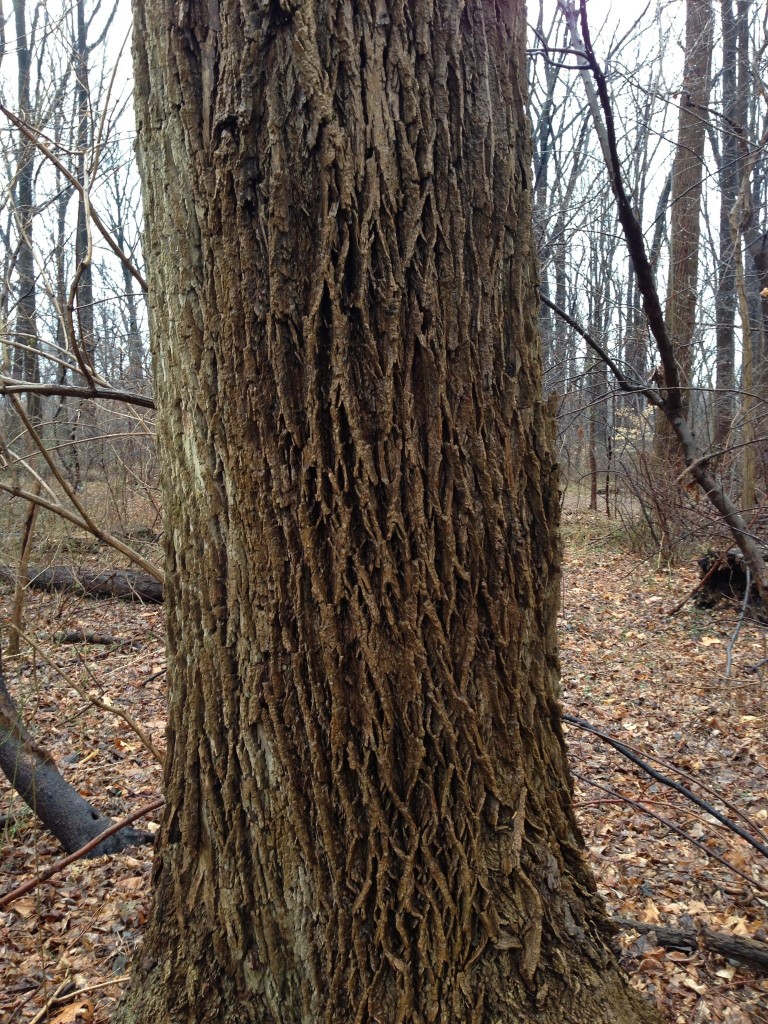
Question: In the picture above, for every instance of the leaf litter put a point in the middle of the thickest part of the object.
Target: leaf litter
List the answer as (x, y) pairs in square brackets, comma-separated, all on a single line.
[(654, 681)]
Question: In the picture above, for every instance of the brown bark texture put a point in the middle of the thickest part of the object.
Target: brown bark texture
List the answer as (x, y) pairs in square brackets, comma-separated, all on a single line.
[(368, 811)]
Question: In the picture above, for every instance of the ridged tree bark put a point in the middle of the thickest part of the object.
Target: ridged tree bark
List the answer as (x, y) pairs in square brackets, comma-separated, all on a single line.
[(368, 810)]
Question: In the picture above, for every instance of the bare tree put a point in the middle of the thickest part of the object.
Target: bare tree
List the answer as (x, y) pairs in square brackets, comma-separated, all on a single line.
[(668, 395)]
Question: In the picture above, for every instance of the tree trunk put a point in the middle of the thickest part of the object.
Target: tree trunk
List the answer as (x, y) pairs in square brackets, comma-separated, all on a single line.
[(729, 179), (68, 453), (687, 174), (25, 361), (82, 333), (368, 811)]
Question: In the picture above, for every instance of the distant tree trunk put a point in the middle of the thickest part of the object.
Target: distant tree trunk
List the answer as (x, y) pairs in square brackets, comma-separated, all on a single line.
[(636, 343), (135, 354), (368, 810), (687, 175), (593, 478), (758, 251), (748, 459), (134, 372), (563, 335), (730, 179), (542, 150), (564, 349), (83, 256), (638, 338), (751, 412), (64, 415), (601, 261), (84, 335), (25, 359), (25, 363)]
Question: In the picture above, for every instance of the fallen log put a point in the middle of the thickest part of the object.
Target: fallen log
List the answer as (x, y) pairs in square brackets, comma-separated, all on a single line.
[(125, 584), (31, 771), (749, 952), (85, 636)]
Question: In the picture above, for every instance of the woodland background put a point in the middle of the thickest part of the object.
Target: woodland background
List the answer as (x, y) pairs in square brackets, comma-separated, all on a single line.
[(676, 680)]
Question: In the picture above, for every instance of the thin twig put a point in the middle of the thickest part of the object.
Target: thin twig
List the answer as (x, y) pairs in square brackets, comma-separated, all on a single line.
[(73, 391), (34, 138), (103, 703), (674, 828), (54, 869), (666, 781), (624, 382)]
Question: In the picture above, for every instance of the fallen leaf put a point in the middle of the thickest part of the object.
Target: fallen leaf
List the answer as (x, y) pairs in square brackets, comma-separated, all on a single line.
[(726, 972), (80, 1012), (695, 985), (651, 913)]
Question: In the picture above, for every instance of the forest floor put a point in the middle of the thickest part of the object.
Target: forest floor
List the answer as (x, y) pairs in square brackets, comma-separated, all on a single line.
[(672, 686)]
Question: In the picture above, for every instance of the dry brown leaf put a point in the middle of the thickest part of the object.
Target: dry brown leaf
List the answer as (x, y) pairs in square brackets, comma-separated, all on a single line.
[(736, 926), (26, 906), (651, 913), (695, 985), (80, 1012), (726, 972)]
